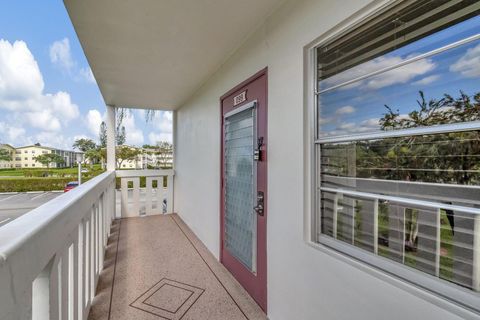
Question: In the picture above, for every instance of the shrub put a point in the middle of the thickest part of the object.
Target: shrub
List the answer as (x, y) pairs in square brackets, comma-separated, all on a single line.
[(34, 184), (37, 173)]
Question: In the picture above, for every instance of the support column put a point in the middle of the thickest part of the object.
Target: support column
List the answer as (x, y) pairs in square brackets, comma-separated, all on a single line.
[(170, 184), (111, 161), (174, 137)]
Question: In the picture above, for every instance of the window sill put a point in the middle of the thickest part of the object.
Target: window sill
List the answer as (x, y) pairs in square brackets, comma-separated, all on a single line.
[(398, 282)]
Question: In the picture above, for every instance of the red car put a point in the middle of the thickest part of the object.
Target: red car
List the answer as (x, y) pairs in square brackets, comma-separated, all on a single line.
[(70, 186)]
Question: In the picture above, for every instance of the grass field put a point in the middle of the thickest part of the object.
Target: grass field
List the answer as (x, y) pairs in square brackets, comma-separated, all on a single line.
[(42, 179)]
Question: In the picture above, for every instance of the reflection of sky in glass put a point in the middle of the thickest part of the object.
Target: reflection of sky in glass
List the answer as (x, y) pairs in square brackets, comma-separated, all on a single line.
[(357, 107)]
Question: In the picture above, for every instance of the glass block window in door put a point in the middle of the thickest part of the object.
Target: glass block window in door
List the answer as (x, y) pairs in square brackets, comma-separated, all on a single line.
[(240, 175)]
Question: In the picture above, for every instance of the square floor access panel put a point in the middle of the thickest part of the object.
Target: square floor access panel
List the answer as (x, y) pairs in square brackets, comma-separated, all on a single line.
[(168, 299)]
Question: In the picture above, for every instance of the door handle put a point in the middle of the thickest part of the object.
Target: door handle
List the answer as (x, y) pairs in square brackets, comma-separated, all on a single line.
[(257, 153), (259, 208)]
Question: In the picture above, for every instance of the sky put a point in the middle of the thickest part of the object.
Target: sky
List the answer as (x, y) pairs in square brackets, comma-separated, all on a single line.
[(357, 107), (47, 90)]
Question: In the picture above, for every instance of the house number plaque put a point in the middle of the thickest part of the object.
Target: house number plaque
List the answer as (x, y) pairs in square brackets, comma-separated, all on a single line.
[(240, 98)]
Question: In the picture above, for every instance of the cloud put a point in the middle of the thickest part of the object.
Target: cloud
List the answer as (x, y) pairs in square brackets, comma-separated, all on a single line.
[(20, 77), (402, 74), (21, 91), (80, 136), (61, 55), (162, 122), (11, 133), (346, 128), (326, 120), (93, 120), (154, 137), (371, 123), (469, 64), (87, 75), (43, 120), (426, 80), (134, 136), (345, 110), (47, 138)]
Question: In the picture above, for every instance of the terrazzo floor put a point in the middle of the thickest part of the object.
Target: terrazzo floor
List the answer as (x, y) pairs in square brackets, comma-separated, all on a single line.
[(156, 268)]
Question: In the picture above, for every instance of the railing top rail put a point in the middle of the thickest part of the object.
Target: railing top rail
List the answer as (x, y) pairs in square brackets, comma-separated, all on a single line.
[(144, 173), (406, 201), (445, 186), (16, 233)]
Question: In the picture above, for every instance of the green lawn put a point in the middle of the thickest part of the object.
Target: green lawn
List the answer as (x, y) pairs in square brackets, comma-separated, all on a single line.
[(19, 173), (411, 259), (42, 179)]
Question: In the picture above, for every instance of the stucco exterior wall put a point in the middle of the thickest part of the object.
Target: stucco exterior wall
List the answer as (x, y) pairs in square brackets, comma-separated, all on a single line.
[(303, 282)]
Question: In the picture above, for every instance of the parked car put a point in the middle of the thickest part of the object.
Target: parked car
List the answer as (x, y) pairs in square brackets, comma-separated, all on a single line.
[(84, 170), (71, 185)]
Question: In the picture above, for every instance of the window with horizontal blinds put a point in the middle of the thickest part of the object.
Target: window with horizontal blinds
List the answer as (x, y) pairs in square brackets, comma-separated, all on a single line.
[(398, 26), (397, 145)]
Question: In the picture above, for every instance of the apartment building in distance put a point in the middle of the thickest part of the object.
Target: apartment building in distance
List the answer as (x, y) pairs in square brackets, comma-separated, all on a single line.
[(141, 161), (149, 158), (3, 163), (24, 157), (158, 158)]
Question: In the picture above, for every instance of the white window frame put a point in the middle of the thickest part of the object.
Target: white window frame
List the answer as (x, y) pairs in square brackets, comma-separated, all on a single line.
[(422, 285)]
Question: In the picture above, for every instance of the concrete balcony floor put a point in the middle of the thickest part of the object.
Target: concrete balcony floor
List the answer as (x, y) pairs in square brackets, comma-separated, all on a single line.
[(156, 268)]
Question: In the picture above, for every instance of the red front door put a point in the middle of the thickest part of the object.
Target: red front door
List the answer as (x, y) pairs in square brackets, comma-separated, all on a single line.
[(244, 185)]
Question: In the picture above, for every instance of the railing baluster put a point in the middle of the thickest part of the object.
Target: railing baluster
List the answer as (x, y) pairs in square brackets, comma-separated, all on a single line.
[(375, 226), (438, 245), (71, 296), (169, 193), (136, 197), (55, 289), (44, 292), (149, 195), (64, 280), (476, 253), (92, 256), (79, 273), (335, 214), (124, 197), (102, 229), (97, 241), (86, 264)]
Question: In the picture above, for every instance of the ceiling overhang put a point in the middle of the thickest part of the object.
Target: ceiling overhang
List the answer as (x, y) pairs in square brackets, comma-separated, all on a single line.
[(156, 53)]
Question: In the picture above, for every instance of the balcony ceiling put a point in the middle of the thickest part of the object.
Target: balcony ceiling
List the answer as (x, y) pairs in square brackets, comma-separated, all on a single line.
[(157, 53)]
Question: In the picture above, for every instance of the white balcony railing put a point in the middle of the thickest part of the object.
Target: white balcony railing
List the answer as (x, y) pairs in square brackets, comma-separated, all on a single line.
[(145, 192), (50, 258)]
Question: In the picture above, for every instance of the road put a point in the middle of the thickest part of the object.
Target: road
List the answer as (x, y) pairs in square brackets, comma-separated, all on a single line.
[(13, 205)]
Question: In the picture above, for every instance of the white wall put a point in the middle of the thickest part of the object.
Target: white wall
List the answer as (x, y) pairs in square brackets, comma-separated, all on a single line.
[(303, 282)]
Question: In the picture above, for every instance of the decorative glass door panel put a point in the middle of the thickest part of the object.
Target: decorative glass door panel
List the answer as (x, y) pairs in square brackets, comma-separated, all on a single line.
[(240, 187)]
